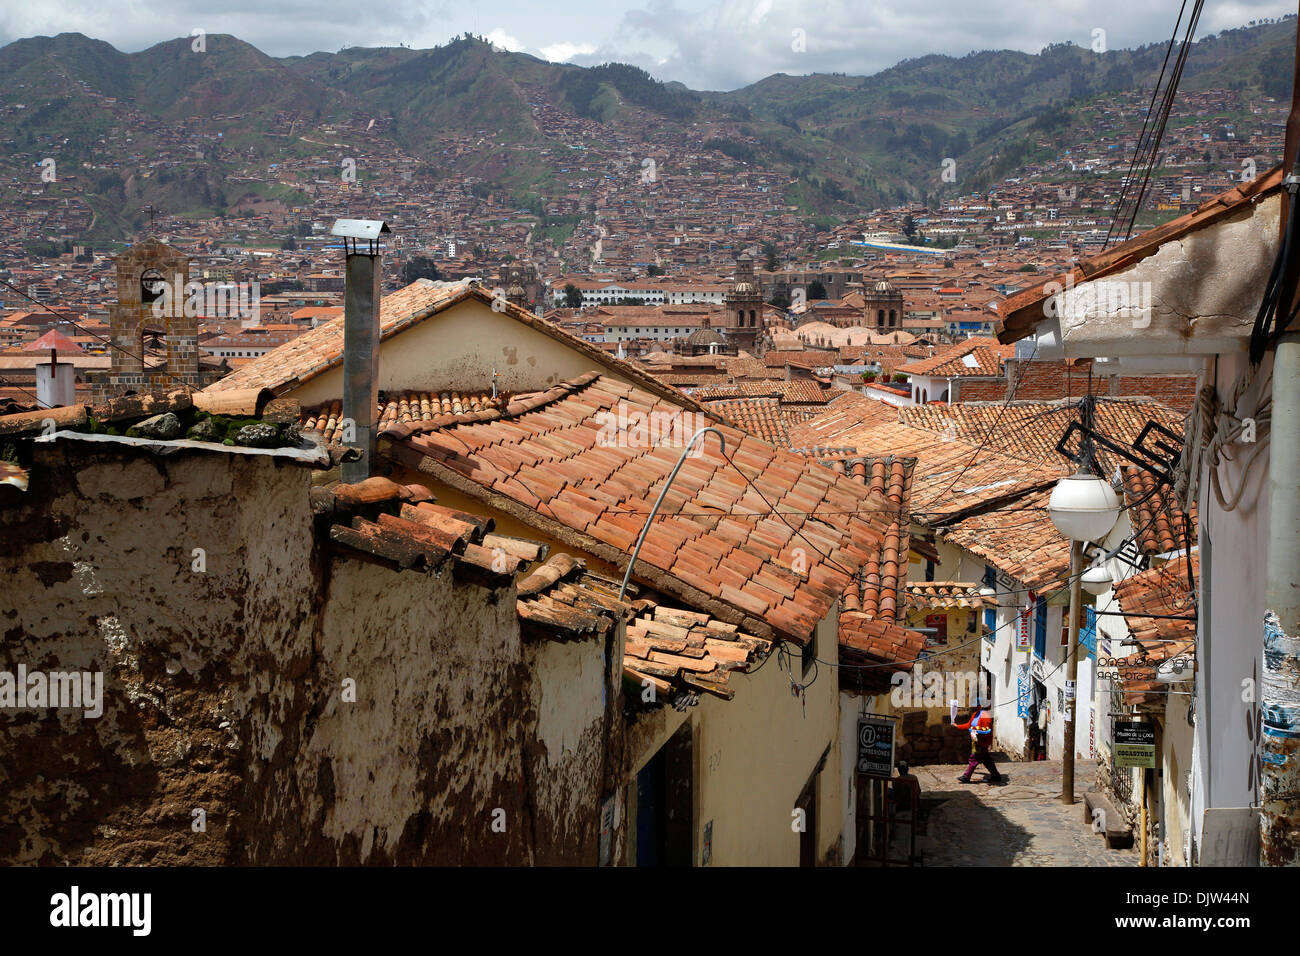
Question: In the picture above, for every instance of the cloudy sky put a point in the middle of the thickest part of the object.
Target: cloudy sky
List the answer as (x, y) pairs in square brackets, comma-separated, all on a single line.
[(706, 44)]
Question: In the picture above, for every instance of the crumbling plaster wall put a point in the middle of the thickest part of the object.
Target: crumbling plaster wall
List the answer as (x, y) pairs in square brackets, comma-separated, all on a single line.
[(223, 687), (415, 741), (99, 574), (570, 768)]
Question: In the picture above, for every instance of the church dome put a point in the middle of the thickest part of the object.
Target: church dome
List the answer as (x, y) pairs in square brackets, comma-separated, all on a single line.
[(885, 287), (705, 337)]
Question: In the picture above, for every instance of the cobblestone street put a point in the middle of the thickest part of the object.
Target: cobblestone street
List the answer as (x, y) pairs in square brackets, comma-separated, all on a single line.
[(1020, 822)]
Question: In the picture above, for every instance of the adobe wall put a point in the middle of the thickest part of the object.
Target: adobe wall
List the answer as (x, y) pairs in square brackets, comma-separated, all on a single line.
[(223, 687)]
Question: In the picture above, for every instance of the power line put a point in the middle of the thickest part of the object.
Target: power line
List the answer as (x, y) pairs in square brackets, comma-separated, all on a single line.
[(1153, 128)]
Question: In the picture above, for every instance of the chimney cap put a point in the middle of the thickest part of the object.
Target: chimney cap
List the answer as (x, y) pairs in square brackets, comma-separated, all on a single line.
[(359, 228)]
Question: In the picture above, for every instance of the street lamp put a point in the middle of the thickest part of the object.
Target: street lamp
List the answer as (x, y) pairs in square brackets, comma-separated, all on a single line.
[(1084, 508), (1096, 580)]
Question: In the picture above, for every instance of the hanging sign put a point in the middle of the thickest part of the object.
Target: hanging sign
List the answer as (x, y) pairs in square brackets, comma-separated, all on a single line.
[(1135, 744), (1024, 690), (876, 745)]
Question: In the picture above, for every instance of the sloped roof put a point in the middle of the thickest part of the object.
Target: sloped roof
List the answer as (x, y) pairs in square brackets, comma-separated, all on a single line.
[(402, 406), (1158, 522), (975, 357), (875, 592), (318, 350), (1018, 539), (951, 475), (758, 416), (1030, 429), (680, 652), (558, 463), (936, 595), (53, 339), (1162, 590), (847, 412), (1023, 311), (870, 650)]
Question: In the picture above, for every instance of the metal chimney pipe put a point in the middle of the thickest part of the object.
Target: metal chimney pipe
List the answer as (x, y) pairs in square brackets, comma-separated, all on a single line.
[(361, 339)]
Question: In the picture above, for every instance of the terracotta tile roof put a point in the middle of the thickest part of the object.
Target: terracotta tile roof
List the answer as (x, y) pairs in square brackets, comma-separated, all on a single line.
[(800, 392), (802, 358), (689, 379), (561, 599), (556, 462), (689, 651), (1158, 522), (747, 366), (870, 650), (404, 406), (682, 653), (951, 475), (54, 339), (1029, 430), (1019, 539), (876, 589), (975, 357), (1160, 590), (1022, 312), (851, 410), (400, 527), (758, 416), (935, 595)]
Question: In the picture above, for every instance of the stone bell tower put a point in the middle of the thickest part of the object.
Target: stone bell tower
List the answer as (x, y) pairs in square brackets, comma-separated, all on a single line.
[(743, 307), (151, 280)]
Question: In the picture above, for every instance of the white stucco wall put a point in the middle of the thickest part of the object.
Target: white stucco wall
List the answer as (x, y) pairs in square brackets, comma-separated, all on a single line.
[(1233, 577), (457, 350)]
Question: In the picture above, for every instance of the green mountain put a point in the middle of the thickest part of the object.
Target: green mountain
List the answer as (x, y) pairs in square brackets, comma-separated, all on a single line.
[(851, 142)]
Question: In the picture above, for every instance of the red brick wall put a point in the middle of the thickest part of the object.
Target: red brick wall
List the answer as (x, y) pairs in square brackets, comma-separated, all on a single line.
[(1176, 391), (1041, 380), (1044, 380), (982, 391)]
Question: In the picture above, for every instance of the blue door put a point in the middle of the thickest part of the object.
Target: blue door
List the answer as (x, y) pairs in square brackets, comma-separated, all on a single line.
[(1040, 628)]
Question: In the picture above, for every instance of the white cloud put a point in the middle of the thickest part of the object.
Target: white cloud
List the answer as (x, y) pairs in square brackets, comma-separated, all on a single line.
[(706, 44), (499, 38), (565, 51)]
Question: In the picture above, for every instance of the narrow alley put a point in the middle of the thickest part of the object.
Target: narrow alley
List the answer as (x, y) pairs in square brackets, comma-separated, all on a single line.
[(1020, 822)]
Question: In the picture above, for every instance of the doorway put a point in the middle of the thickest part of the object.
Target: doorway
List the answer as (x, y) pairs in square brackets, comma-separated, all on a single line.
[(665, 804)]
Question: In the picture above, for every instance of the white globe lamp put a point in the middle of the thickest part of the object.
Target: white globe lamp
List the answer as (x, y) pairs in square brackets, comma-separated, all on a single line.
[(1096, 580), (1083, 507)]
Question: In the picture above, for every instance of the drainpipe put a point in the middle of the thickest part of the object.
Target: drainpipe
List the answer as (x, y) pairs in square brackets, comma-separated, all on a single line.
[(1280, 686)]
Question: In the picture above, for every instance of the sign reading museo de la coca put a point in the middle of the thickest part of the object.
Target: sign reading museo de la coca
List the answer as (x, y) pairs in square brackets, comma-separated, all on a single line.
[(1135, 744)]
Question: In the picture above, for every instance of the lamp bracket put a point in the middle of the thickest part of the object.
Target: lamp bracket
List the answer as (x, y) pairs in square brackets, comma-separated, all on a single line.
[(1159, 460)]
